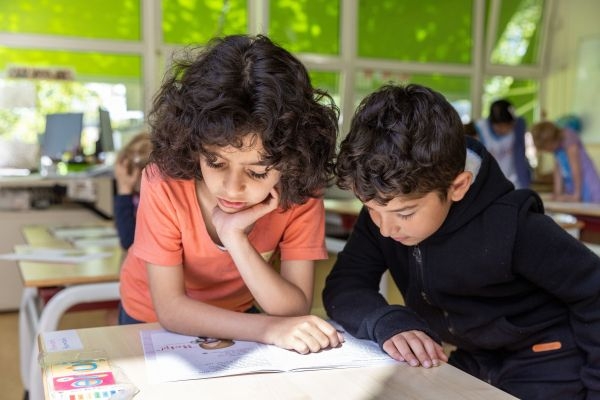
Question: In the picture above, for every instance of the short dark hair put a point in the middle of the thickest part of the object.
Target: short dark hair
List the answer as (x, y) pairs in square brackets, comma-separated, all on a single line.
[(502, 112), (403, 140), (239, 85)]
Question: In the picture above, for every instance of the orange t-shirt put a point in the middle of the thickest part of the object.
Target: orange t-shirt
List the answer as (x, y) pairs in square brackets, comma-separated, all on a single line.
[(170, 231)]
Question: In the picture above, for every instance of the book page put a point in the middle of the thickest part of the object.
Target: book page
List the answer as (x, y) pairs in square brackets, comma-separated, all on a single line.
[(172, 357)]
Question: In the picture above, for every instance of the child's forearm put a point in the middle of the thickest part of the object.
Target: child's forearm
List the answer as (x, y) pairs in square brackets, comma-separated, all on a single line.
[(274, 294), (192, 317)]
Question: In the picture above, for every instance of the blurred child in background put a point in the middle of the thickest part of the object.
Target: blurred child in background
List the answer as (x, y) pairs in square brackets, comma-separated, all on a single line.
[(575, 176), (128, 174)]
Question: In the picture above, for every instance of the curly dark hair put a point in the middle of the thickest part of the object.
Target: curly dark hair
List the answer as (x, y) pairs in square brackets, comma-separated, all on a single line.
[(403, 140), (239, 85)]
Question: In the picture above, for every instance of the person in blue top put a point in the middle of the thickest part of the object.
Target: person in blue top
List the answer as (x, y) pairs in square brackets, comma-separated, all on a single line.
[(503, 135), (128, 172), (478, 263), (575, 175)]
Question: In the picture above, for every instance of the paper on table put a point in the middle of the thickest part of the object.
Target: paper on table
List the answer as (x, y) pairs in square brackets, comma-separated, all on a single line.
[(172, 357), (62, 341), (72, 232), (69, 256), (111, 241)]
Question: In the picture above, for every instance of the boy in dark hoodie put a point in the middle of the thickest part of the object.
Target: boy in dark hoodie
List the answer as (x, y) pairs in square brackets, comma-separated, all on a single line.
[(478, 263)]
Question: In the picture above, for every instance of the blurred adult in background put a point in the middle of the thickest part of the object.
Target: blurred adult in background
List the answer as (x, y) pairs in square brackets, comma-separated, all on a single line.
[(575, 176), (128, 173), (503, 135)]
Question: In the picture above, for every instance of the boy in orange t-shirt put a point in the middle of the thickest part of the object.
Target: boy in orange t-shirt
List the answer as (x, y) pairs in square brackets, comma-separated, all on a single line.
[(243, 147)]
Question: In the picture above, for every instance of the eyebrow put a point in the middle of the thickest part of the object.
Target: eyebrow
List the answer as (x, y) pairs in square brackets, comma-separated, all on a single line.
[(400, 209), (260, 163)]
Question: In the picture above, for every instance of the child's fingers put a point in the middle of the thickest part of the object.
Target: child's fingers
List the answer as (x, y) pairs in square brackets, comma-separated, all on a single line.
[(334, 338), (312, 334), (434, 351), (399, 349), (416, 348)]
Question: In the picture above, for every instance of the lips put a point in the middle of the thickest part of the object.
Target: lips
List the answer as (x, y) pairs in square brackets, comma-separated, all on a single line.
[(236, 205)]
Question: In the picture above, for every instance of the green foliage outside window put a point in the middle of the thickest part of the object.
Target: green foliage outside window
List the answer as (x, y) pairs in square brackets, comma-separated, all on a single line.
[(423, 31), (327, 81), (306, 26), (95, 19), (518, 34), (193, 22)]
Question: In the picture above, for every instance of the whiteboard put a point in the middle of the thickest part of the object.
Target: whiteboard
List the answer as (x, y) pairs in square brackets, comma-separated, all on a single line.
[(587, 88)]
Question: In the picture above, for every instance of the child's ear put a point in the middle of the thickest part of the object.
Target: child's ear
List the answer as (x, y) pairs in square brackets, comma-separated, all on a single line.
[(460, 186)]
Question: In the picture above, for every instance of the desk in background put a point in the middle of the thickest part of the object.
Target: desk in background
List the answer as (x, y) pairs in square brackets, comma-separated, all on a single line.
[(94, 191), (588, 213), (19, 197), (122, 345), (90, 282)]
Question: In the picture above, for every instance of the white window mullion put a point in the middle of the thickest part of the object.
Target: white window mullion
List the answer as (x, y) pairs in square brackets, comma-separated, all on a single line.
[(151, 17), (30, 41), (348, 53), (478, 59)]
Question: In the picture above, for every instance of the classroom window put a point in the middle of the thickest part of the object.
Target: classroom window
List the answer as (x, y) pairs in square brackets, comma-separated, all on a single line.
[(517, 40), (455, 88), (38, 82), (306, 26), (196, 22), (427, 31), (95, 19), (522, 93), (327, 81)]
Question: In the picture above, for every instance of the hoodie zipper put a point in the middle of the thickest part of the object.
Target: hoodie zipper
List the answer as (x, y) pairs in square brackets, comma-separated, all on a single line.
[(420, 275), (418, 256)]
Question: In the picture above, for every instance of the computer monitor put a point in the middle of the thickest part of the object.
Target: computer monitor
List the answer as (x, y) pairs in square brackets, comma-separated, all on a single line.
[(105, 142), (62, 134)]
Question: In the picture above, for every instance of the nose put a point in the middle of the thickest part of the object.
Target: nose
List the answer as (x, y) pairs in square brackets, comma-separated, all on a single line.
[(234, 183), (387, 227)]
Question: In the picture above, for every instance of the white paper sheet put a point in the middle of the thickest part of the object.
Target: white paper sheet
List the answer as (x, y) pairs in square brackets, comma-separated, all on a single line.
[(68, 256), (73, 232)]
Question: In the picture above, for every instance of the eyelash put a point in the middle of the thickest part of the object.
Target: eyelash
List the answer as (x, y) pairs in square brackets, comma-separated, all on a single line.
[(213, 165), (252, 174), (256, 175)]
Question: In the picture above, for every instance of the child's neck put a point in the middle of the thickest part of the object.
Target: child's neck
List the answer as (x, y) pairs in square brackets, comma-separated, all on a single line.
[(207, 204)]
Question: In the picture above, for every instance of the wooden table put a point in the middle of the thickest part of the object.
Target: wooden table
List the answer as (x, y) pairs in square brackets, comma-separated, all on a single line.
[(39, 274), (122, 345), (588, 213), (89, 282)]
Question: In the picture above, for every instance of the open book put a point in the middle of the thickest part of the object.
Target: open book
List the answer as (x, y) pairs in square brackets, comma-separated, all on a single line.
[(172, 357)]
